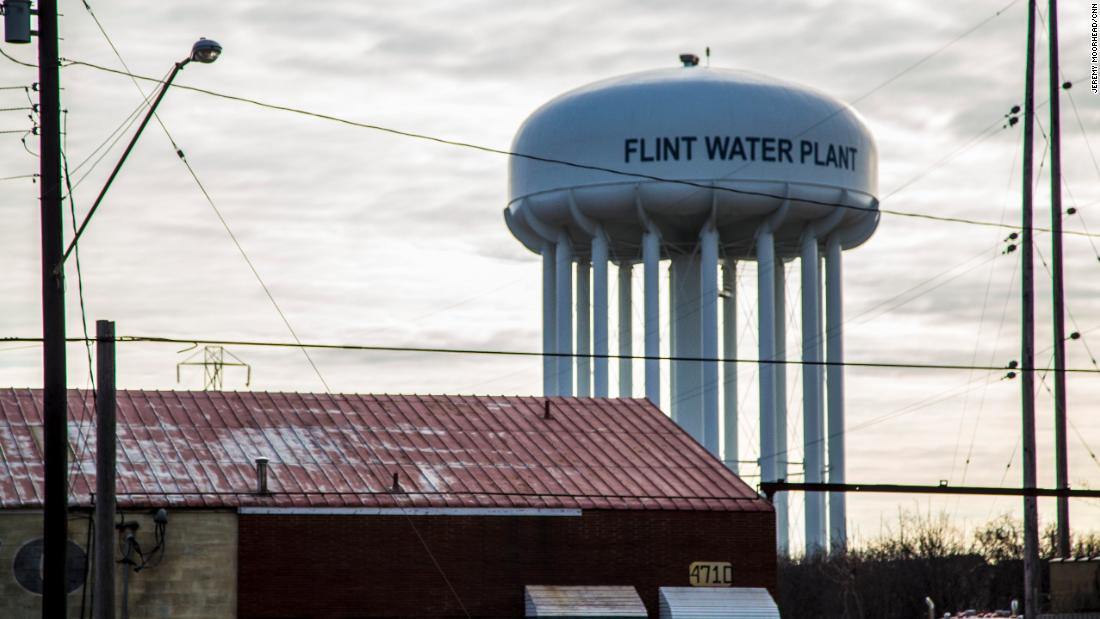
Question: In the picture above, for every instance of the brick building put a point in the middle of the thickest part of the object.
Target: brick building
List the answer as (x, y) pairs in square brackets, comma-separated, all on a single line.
[(387, 506)]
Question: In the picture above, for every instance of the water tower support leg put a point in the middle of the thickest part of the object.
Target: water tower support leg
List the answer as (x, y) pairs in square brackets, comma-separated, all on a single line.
[(651, 255), (599, 311), (765, 292), (708, 293), (834, 354), (564, 272), (782, 513), (584, 329), (812, 418), (675, 318), (686, 336), (626, 333), (549, 321), (729, 368)]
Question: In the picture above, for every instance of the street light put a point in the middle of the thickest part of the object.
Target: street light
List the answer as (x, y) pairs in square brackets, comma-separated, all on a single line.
[(205, 51), (54, 392)]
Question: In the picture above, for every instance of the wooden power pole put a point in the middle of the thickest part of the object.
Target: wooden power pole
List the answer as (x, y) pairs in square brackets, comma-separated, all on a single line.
[(55, 532), (1027, 343), (1061, 462)]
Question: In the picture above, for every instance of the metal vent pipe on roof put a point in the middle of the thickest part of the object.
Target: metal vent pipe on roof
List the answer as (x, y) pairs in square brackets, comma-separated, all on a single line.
[(261, 475)]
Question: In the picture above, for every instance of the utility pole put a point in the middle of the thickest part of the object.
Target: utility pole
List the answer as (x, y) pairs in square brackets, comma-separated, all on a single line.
[(1027, 344), (1061, 461), (103, 603), (54, 394)]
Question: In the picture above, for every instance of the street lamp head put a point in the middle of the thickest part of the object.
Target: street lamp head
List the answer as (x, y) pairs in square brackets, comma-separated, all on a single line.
[(205, 50)]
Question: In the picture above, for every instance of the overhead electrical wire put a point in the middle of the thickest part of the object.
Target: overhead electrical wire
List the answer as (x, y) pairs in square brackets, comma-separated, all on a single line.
[(267, 291), (17, 61), (83, 436), (942, 396), (888, 81), (202, 188), (996, 337), (124, 339), (566, 163)]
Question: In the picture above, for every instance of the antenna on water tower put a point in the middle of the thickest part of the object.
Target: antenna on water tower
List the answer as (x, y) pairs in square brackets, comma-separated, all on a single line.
[(213, 364), (708, 56)]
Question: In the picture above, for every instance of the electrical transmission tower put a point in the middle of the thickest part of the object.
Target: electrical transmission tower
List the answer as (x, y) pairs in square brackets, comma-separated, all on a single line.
[(213, 364)]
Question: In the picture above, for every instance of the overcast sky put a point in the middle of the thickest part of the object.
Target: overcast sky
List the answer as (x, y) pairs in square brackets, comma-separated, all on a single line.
[(371, 238)]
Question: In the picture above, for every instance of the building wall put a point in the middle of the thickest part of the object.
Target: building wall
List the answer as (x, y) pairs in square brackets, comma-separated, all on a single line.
[(1075, 585), (197, 577), (324, 566)]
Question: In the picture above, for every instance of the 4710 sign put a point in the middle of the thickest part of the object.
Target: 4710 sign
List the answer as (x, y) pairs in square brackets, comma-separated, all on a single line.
[(710, 574)]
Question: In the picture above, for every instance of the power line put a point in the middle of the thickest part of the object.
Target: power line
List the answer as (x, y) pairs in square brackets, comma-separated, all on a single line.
[(16, 61), (555, 161), (83, 437), (267, 291), (937, 51), (129, 339)]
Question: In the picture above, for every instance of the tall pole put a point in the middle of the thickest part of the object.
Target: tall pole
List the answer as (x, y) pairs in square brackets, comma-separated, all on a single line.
[(1027, 344), (564, 271), (708, 292), (813, 452), (104, 577), (834, 377), (651, 255), (600, 312), (766, 316), (584, 328), (781, 501), (626, 333), (729, 369), (1061, 463), (549, 320), (54, 406)]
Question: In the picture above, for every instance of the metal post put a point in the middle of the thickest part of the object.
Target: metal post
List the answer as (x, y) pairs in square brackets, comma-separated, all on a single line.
[(626, 334), (812, 418), (651, 255), (782, 511), (584, 329), (125, 153), (564, 271), (708, 295), (1061, 461), (1027, 333), (687, 394), (549, 321), (600, 311), (104, 576), (675, 311), (834, 375), (55, 393), (765, 291), (729, 368)]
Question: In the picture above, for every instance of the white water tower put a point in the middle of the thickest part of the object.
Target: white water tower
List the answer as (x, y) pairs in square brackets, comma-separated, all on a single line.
[(700, 167)]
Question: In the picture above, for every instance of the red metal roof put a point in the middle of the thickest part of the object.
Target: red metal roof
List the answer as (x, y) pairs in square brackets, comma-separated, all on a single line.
[(197, 449)]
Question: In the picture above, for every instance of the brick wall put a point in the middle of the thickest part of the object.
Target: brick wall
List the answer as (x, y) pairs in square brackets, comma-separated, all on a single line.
[(321, 566), (197, 578)]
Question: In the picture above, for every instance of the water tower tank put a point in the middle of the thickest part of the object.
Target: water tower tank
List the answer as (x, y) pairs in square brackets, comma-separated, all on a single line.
[(734, 144), (700, 167)]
